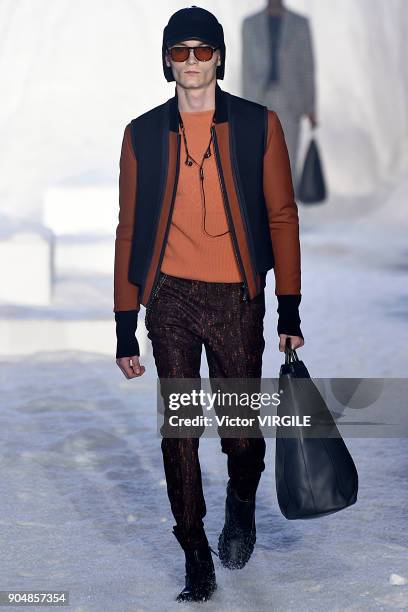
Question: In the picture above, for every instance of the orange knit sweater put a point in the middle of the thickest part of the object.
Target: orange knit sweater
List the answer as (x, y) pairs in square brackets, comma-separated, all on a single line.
[(190, 251)]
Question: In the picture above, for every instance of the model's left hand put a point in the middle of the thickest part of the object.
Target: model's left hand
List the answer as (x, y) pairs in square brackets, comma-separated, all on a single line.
[(296, 342)]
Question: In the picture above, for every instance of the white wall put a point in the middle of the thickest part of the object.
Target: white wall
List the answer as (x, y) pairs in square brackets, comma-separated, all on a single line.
[(74, 73)]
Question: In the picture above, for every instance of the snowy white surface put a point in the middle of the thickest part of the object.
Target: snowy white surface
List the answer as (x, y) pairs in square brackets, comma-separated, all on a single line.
[(81, 210), (25, 273), (84, 503), (83, 499)]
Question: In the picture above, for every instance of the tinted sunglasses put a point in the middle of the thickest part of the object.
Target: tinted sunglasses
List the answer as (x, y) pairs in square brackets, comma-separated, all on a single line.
[(181, 54)]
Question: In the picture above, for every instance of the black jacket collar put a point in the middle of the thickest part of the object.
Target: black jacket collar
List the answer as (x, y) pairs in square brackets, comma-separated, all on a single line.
[(221, 108)]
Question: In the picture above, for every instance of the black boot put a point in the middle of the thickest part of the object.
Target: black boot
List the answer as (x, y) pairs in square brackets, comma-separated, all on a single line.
[(237, 539), (200, 582)]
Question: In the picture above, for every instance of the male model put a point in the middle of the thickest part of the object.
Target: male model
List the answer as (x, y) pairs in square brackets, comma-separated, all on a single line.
[(278, 68), (206, 209)]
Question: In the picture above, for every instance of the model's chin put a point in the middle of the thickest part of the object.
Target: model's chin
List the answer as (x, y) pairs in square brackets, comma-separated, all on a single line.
[(190, 82)]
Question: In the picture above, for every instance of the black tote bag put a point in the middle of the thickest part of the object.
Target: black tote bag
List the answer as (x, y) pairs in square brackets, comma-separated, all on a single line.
[(314, 476), (312, 186)]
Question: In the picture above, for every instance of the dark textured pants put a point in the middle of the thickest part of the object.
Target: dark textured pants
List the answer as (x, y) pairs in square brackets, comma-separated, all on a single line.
[(183, 315)]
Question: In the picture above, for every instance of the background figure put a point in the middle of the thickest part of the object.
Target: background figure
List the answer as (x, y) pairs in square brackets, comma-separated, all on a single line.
[(278, 68)]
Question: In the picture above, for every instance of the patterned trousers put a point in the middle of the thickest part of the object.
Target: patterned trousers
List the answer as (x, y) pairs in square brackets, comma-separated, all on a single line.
[(184, 315)]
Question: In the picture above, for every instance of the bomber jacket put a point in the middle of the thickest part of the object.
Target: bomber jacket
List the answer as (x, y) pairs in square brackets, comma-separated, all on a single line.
[(256, 183)]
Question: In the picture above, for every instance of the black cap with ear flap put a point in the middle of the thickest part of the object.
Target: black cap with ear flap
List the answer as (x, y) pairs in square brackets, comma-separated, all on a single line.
[(189, 24)]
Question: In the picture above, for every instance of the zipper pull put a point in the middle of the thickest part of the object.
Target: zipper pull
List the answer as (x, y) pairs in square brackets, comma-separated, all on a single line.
[(201, 173), (245, 293)]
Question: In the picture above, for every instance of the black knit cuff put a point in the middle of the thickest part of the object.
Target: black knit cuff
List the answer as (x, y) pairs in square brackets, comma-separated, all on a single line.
[(289, 319), (126, 325)]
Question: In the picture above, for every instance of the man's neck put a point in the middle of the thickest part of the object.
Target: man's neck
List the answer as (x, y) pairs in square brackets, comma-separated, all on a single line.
[(195, 100), (275, 8)]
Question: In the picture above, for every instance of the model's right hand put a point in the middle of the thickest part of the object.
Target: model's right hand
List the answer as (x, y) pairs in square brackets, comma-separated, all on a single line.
[(130, 366)]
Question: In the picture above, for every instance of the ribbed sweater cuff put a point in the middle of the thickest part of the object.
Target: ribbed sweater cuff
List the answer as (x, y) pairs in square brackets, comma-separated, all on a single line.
[(289, 319), (126, 325)]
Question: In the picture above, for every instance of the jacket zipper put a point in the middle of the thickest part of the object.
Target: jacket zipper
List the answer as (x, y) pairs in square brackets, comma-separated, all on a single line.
[(153, 294), (240, 200), (228, 213), (156, 288)]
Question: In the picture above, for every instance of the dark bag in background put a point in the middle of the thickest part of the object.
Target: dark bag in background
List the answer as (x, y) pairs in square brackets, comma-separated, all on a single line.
[(315, 476), (312, 186)]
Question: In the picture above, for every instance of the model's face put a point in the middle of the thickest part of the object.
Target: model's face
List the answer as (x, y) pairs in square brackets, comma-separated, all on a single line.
[(193, 73)]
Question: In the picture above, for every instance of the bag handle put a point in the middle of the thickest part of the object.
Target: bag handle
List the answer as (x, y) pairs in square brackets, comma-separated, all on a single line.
[(290, 353)]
